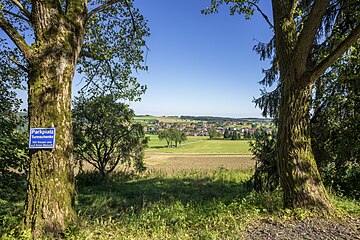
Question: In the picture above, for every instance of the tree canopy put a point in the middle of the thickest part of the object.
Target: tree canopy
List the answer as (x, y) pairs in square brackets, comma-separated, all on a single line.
[(111, 47), (172, 136), (335, 125), (13, 140), (105, 135)]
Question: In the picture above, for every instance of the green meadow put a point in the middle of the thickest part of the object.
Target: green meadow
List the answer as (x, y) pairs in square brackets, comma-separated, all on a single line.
[(155, 143), (200, 145)]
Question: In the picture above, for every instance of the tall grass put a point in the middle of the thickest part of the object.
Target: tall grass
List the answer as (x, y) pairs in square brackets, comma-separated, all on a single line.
[(12, 198)]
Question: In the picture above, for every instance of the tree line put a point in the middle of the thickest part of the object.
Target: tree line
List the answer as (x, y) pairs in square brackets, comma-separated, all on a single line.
[(172, 136), (235, 135)]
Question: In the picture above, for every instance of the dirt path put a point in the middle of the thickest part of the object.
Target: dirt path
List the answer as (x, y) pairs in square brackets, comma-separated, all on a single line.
[(305, 229)]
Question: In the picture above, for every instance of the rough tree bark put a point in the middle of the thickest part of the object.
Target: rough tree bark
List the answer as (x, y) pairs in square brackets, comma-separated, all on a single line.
[(49, 207), (299, 176)]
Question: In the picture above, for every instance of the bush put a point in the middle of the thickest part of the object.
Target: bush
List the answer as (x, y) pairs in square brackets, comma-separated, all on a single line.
[(263, 148), (12, 196), (105, 134), (13, 142), (13, 152)]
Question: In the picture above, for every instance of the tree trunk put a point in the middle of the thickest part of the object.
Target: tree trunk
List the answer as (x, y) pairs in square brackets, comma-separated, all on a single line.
[(49, 207), (299, 176)]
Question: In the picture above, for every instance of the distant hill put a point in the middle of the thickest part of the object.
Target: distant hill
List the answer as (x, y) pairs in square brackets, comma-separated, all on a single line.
[(166, 119), (209, 119)]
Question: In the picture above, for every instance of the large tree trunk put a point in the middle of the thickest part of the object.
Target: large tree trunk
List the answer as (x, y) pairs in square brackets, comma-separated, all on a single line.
[(299, 176), (50, 195), (49, 207)]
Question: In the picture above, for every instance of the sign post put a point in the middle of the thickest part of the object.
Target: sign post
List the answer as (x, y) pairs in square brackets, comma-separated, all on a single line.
[(42, 138)]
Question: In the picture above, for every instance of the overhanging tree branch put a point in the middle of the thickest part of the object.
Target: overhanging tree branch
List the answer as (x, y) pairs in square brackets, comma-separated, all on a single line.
[(308, 33), (110, 3), (16, 15), (87, 54), (22, 8), (18, 64), (15, 36), (263, 14), (103, 7), (335, 54), (132, 17)]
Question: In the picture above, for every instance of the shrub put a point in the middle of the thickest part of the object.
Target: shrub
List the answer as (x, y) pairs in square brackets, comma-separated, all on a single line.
[(263, 148)]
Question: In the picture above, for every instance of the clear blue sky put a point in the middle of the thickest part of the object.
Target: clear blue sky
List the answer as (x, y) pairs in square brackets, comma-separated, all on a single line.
[(201, 64)]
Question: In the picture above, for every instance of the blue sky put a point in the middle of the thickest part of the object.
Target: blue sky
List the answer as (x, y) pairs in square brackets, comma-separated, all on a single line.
[(201, 64)]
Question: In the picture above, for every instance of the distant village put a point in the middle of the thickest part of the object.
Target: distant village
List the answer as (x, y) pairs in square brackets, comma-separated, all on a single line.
[(242, 129)]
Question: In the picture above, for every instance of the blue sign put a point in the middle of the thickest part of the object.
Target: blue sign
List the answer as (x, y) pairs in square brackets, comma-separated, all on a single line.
[(42, 138)]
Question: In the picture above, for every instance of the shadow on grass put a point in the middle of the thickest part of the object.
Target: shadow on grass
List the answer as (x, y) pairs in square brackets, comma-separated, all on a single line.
[(113, 198), (158, 147), (121, 195)]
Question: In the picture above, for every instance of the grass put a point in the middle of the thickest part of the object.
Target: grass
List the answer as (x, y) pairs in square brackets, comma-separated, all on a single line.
[(183, 205), (196, 192), (156, 143), (187, 205), (12, 198), (347, 205), (201, 145)]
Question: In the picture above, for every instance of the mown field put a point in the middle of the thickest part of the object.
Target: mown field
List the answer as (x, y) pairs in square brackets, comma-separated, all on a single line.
[(195, 154), (155, 143), (200, 145), (189, 162), (198, 154)]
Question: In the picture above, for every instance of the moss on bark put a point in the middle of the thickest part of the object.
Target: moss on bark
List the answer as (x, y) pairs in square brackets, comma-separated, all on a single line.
[(49, 207), (299, 176)]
